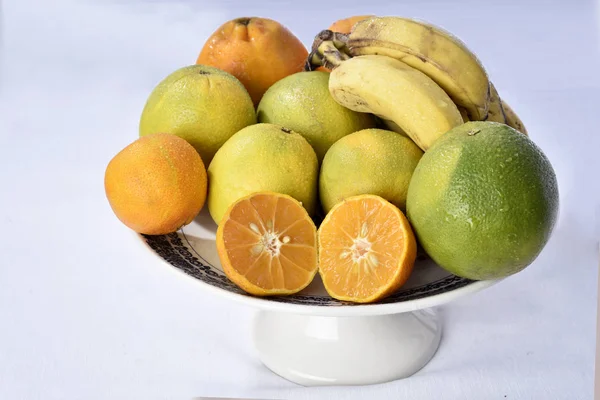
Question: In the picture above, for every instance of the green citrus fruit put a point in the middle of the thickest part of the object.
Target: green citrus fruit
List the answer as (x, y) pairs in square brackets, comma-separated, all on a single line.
[(302, 103), (262, 157), (200, 104), (483, 201), (370, 161)]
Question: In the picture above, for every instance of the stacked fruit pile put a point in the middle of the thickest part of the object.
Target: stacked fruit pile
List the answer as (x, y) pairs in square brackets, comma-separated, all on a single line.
[(387, 139)]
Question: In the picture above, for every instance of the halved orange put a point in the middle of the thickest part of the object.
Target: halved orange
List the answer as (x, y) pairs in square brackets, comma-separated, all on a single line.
[(367, 249), (267, 244)]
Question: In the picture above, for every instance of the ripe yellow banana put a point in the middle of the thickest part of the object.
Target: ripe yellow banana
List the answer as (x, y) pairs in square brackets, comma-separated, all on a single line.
[(409, 100), (431, 50)]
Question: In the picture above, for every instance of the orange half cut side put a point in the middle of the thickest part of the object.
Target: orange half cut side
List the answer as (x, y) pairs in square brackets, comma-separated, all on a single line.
[(367, 249), (267, 244)]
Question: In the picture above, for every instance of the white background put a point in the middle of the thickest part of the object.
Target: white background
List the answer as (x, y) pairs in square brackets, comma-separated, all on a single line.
[(87, 313)]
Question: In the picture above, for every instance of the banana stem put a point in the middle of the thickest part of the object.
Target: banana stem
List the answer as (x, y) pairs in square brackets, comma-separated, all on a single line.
[(332, 56), (328, 50), (313, 61), (321, 36), (340, 40)]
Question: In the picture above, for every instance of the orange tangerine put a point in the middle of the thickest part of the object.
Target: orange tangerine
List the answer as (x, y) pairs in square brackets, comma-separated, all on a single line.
[(267, 244), (367, 249), (157, 184), (257, 51)]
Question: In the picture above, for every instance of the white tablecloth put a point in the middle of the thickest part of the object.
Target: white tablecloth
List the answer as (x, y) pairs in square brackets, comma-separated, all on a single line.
[(87, 313)]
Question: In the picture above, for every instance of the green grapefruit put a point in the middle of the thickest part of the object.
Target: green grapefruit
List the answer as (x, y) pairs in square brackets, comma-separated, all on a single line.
[(483, 201)]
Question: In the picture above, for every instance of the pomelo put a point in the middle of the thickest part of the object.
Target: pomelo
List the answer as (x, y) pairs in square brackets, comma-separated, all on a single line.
[(483, 201)]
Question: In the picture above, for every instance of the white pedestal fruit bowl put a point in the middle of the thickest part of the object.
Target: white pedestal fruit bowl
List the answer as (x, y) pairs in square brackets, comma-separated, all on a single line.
[(312, 339)]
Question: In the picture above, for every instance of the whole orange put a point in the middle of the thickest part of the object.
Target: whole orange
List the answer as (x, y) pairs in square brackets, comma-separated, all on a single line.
[(157, 184), (257, 51)]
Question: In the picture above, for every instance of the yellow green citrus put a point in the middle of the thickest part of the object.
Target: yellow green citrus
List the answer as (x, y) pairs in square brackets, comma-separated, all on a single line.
[(262, 157), (370, 161), (200, 104), (302, 102)]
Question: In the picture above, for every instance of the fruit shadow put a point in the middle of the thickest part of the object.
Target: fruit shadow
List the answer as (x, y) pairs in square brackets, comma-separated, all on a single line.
[(204, 220), (205, 249)]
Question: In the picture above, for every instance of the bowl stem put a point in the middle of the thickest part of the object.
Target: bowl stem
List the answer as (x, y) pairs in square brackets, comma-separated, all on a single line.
[(323, 351)]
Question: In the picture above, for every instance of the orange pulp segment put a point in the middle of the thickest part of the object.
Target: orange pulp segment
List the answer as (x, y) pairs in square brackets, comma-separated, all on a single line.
[(267, 244), (367, 249)]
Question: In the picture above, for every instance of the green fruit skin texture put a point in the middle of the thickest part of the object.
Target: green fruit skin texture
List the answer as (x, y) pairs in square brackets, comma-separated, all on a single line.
[(370, 161), (262, 157), (302, 102), (483, 201), (201, 104)]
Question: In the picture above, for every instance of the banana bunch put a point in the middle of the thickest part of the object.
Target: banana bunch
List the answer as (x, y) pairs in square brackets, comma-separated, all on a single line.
[(419, 79)]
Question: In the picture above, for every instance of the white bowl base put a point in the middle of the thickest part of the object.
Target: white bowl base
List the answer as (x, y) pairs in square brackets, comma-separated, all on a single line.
[(323, 351)]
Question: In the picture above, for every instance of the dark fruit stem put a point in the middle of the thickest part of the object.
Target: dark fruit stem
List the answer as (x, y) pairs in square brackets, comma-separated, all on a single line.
[(340, 41), (320, 38), (244, 21)]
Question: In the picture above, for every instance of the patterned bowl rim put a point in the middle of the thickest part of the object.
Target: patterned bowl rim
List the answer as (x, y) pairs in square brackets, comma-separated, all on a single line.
[(338, 310)]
